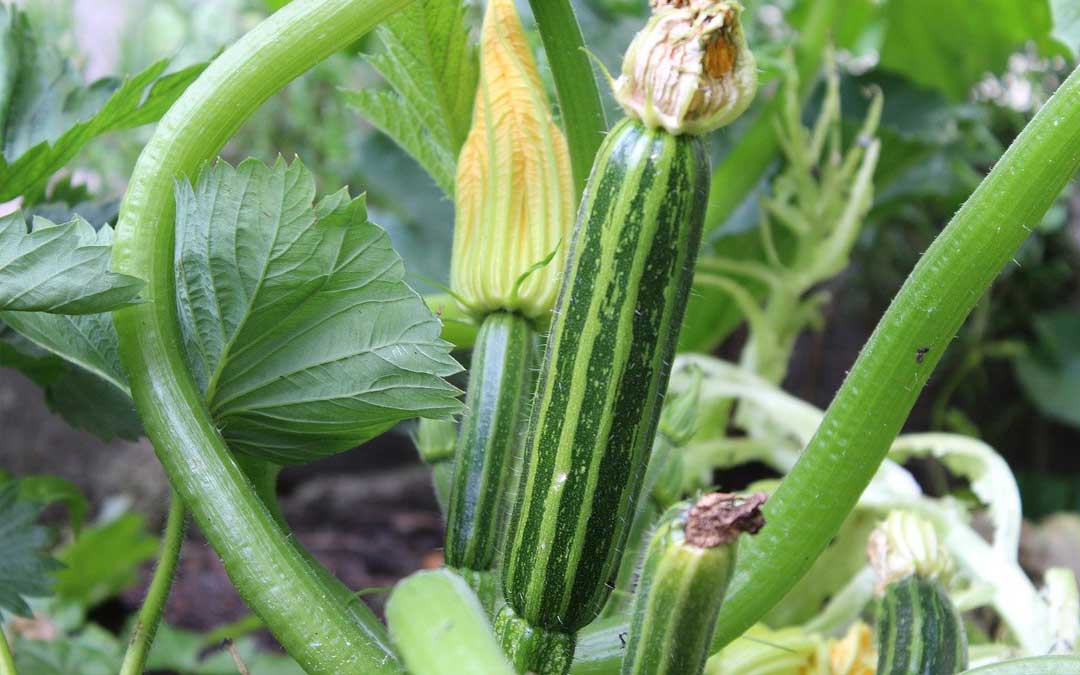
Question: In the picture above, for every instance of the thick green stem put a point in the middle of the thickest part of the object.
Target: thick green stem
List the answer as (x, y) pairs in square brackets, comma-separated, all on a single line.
[(579, 97), (269, 573), (441, 628), (814, 499), (154, 605), (7, 661)]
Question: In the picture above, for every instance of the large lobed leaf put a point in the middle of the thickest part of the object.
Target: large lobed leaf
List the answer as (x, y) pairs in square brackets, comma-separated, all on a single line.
[(24, 569), (47, 114), (432, 70), (297, 323), (60, 269)]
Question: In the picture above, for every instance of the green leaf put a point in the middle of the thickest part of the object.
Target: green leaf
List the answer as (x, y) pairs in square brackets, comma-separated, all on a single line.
[(952, 44), (1066, 24), (49, 489), (315, 344), (94, 399), (432, 70), (1050, 375), (60, 269), (104, 560), (47, 114), (181, 651), (24, 569), (92, 651)]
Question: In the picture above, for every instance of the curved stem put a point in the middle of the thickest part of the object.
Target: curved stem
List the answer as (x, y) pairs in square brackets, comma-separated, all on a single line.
[(7, 661), (579, 97), (150, 614), (269, 573), (810, 504)]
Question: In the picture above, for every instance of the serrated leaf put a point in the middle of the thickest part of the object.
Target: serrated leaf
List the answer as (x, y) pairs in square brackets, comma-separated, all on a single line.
[(47, 114), (24, 569), (48, 489), (431, 67), (104, 560), (60, 269), (75, 359), (297, 323)]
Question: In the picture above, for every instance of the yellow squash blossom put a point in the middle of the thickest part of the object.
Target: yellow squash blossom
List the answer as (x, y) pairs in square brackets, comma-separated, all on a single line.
[(514, 196)]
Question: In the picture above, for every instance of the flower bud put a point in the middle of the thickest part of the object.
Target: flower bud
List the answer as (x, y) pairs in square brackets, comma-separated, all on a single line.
[(906, 544), (514, 196), (689, 70)]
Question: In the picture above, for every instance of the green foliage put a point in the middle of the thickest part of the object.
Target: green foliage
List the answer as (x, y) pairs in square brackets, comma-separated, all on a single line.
[(951, 45), (1050, 374), (104, 560), (49, 489), (1066, 24), (92, 651), (24, 568), (60, 269), (47, 114), (315, 344), (431, 67)]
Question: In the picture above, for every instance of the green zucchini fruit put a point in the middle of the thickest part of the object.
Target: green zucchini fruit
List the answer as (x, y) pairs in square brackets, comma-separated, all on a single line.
[(605, 370), (919, 632), (500, 382), (687, 569), (435, 440)]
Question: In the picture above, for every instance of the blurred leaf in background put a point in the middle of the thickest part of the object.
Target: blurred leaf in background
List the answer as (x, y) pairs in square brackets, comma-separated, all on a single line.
[(25, 568), (1050, 373), (104, 560)]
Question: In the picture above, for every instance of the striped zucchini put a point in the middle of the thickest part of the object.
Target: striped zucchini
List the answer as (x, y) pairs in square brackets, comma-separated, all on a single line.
[(687, 569), (500, 381), (919, 632), (606, 367)]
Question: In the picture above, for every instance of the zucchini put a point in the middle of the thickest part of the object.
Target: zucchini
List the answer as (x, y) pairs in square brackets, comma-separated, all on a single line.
[(919, 632), (606, 367), (500, 382), (434, 441), (686, 573), (615, 328)]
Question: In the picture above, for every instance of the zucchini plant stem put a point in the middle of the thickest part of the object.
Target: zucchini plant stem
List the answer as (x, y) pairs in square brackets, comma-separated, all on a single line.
[(272, 576), (7, 661), (154, 604), (575, 84), (812, 501)]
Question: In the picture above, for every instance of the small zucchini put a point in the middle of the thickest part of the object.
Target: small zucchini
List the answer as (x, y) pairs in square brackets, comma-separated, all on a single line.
[(919, 632), (500, 381), (687, 569)]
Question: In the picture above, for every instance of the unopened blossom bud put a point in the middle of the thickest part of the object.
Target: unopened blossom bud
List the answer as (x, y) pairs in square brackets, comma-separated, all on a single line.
[(514, 195), (689, 70), (904, 545)]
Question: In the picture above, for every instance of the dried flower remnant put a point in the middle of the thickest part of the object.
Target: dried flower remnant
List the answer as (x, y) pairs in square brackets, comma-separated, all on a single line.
[(719, 518), (689, 70)]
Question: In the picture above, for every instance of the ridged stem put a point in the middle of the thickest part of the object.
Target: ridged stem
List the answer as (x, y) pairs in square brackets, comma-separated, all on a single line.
[(441, 629), (579, 97), (500, 383), (814, 499), (269, 573), (154, 604)]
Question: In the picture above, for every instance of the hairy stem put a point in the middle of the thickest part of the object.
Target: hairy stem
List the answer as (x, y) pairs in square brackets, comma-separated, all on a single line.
[(812, 501), (579, 97), (268, 571), (154, 604)]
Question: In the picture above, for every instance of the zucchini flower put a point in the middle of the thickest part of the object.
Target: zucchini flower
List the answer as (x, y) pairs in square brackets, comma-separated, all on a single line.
[(904, 545), (514, 196), (689, 70), (854, 654)]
